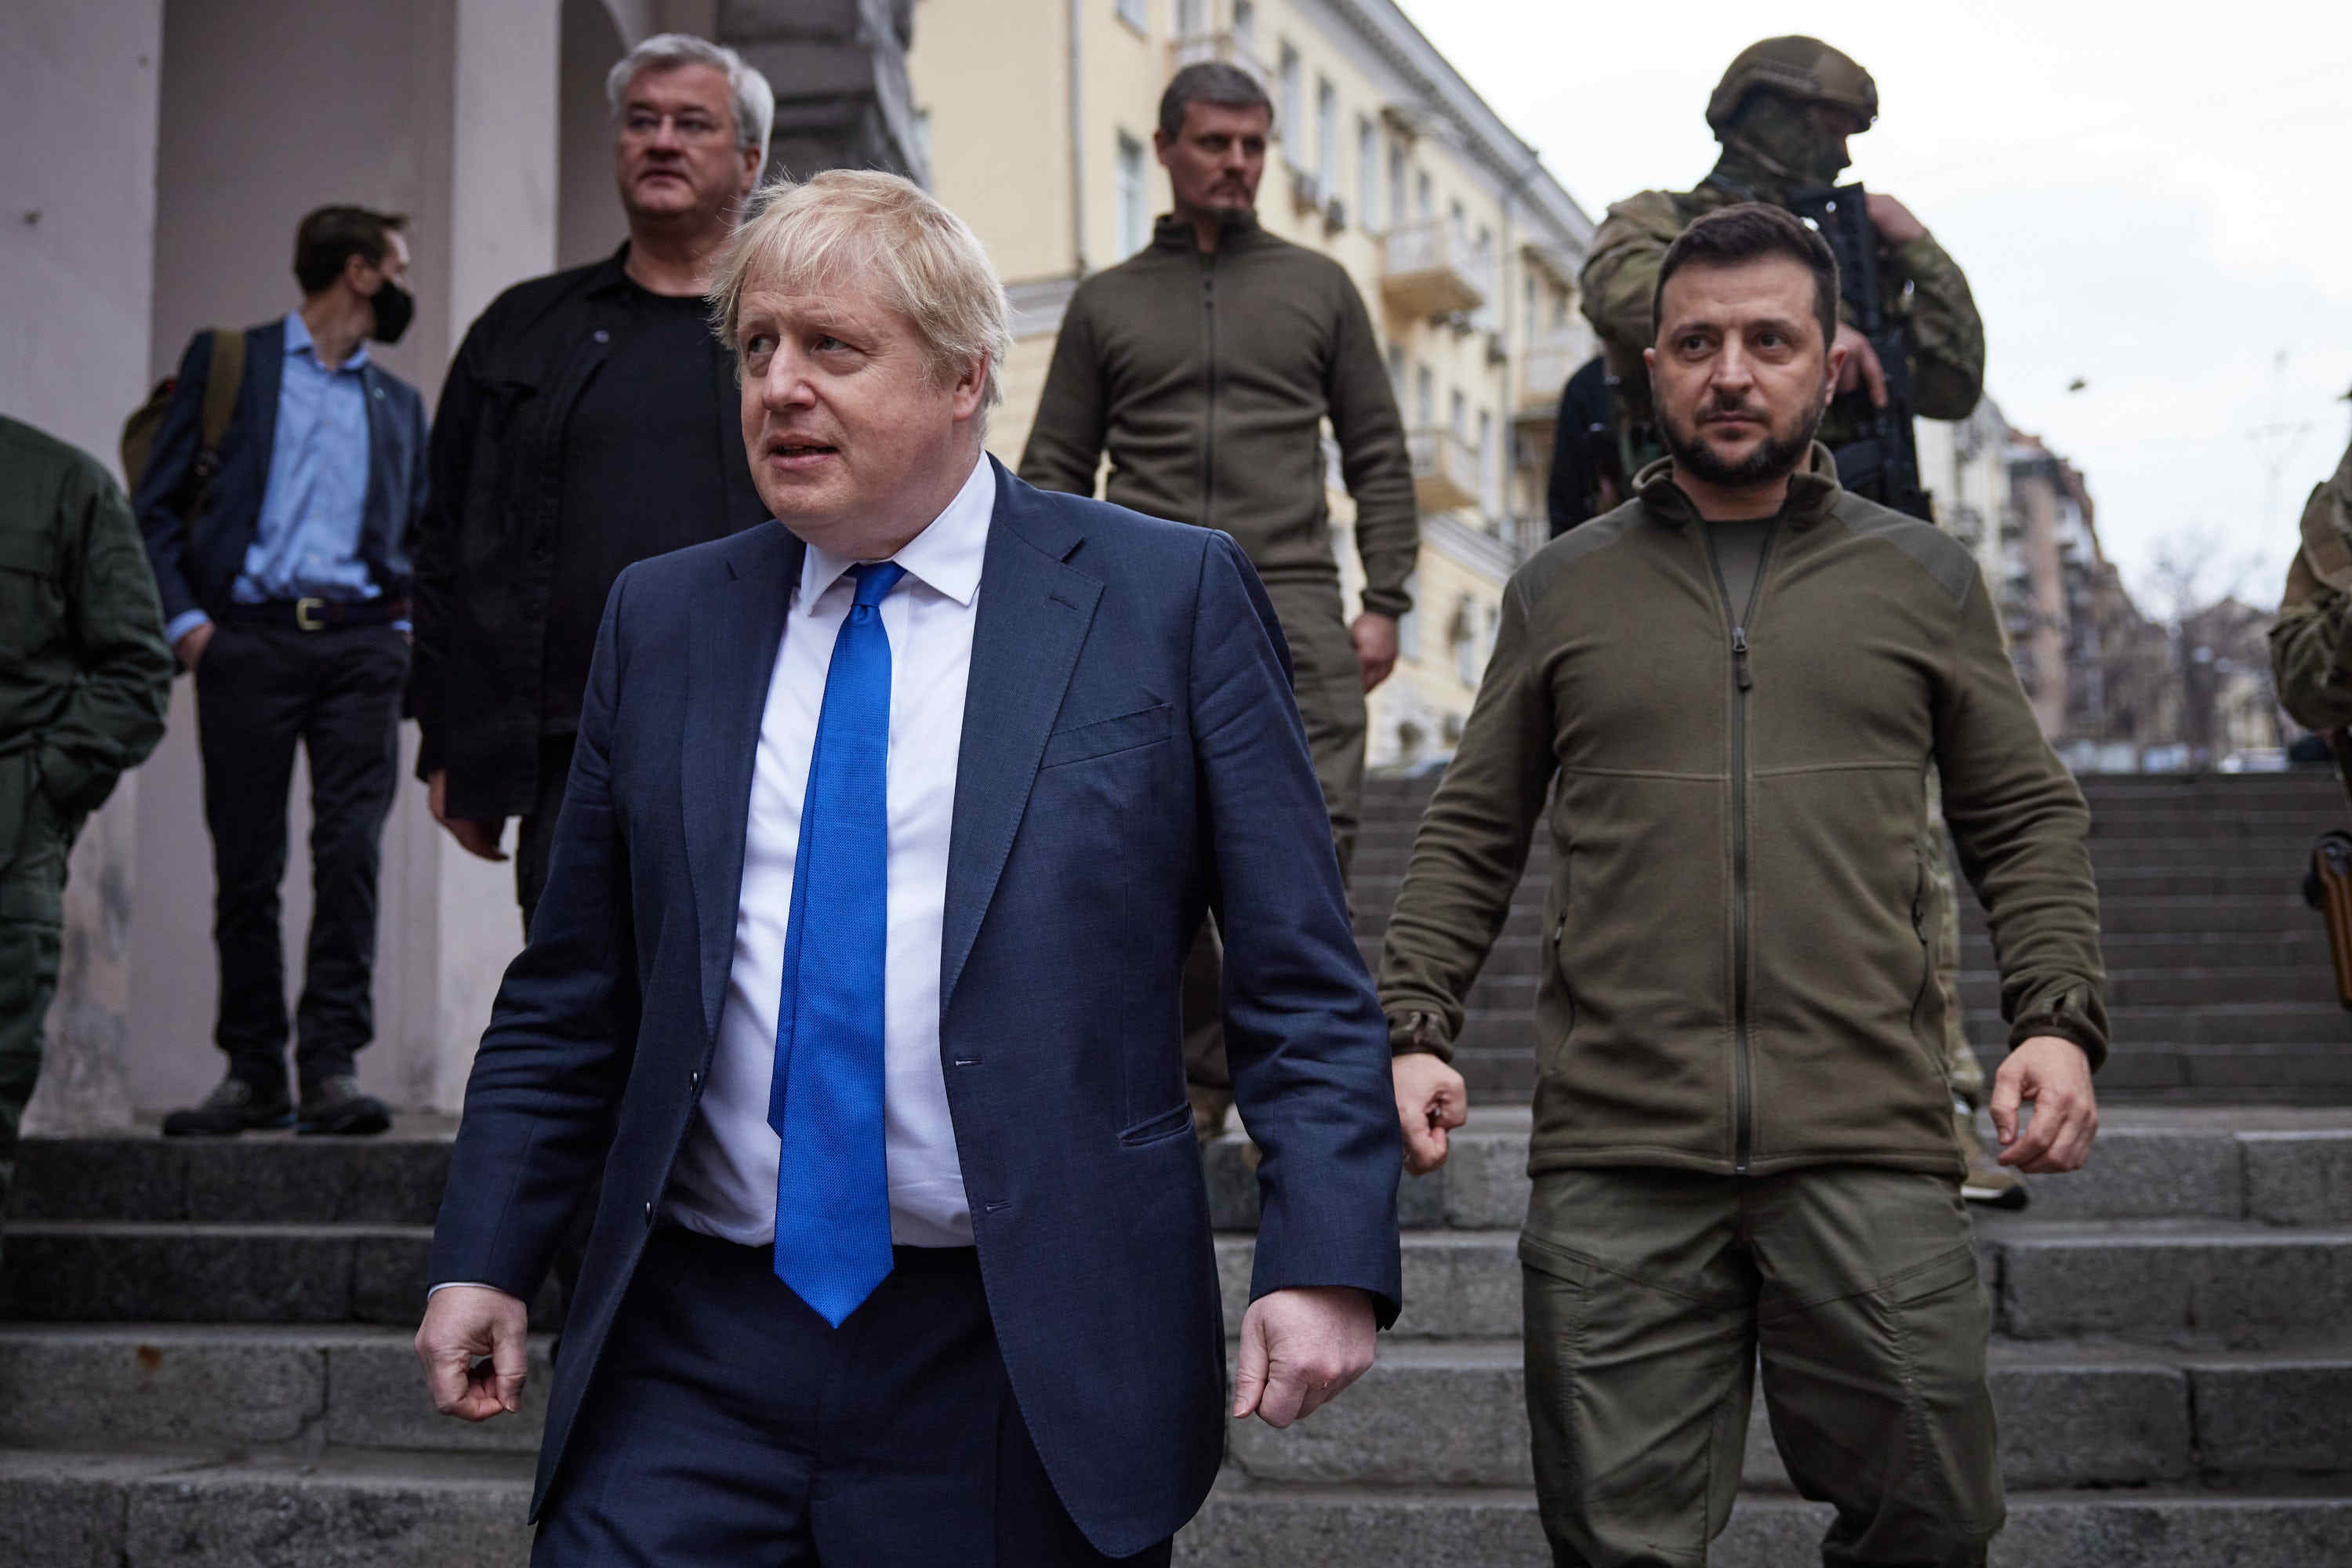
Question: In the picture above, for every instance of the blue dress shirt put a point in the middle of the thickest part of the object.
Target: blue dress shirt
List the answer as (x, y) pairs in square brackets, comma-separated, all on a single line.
[(306, 543)]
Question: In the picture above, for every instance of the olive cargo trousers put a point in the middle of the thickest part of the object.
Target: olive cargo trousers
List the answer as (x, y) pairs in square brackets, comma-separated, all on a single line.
[(1650, 1294), (34, 843), (1325, 678)]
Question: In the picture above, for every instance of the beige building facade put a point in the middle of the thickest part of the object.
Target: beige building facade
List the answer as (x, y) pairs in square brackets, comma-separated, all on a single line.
[(1039, 117)]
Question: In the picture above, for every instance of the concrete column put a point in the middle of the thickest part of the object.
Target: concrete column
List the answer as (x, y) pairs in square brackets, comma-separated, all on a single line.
[(74, 237)]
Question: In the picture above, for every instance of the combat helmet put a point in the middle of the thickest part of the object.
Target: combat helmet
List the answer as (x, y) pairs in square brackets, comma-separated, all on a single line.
[(1806, 70)]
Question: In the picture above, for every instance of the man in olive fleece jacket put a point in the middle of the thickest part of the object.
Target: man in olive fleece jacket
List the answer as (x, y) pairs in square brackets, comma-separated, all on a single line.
[(1721, 698), (1206, 365)]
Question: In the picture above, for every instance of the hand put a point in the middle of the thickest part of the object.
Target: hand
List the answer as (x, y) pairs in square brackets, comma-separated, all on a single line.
[(1860, 367), (1893, 220), (1431, 1100), (462, 1324), (1375, 636), (2055, 1075), (1299, 1348), (192, 645), (478, 838)]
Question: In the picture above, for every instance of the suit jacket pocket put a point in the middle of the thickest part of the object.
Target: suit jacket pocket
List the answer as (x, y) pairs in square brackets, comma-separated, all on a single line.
[(1166, 1124), (1102, 737)]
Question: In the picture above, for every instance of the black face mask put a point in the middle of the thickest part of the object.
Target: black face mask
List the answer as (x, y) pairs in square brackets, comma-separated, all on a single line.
[(395, 307)]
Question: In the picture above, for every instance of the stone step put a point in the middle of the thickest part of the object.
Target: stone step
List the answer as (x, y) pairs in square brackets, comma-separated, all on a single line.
[(430, 1510), (1248, 1525), (1428, 1414), (261, 1178), (103, 1271), (1455, 1413), (2287, 1168), (2221, 1284), (2185, 1282), (269, 1387)]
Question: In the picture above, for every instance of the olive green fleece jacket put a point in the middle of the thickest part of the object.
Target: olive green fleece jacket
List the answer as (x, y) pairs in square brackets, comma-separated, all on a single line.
[(1741, 975), (1208, 376)]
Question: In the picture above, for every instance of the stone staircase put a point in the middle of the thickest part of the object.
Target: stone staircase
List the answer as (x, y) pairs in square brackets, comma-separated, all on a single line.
[(204, 1347)]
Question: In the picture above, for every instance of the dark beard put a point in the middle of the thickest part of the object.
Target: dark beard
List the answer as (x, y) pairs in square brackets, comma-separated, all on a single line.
[(1777, 457)]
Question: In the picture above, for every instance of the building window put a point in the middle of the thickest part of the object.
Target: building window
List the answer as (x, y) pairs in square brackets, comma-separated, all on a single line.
[(1459, 420), (1245, 23), (1134, 212), (1368, 174), (1487, 475), (1424, 197), (1466, 641), (1136, 14), (1424, 398), (1409, 624), (1396, 372), (1291, 100), (1396, 184), (1326, 134), (1528, 302), (1190, 18)]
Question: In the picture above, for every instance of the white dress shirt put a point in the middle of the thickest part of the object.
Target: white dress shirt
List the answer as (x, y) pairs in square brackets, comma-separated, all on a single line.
[(724, 1183)]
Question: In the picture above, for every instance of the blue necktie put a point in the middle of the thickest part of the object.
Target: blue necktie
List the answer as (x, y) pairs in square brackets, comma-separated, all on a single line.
[(833, 1181)]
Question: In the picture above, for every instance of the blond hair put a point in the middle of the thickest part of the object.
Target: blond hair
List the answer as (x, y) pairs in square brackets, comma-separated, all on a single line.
[(921, 260)]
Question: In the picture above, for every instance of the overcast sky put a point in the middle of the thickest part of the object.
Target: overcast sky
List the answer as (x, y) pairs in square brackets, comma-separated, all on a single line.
[(2163, 210)]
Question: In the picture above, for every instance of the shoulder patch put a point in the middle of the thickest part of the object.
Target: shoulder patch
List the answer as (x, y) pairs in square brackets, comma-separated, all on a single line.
[(1548, 566), (1945, 559)]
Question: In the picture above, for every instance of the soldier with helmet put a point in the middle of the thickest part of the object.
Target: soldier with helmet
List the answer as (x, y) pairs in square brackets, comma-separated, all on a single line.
[(1783, 112)]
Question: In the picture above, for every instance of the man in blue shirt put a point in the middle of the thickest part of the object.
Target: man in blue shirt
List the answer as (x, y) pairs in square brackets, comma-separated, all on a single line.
[(281, 560)]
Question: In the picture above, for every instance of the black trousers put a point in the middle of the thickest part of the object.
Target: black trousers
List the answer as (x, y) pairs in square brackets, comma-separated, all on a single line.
[(260, 691), (730, 1424), (535, 833)]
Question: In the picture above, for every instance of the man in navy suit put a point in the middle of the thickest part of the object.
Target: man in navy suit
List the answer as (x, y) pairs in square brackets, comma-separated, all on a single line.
[(858, 973)]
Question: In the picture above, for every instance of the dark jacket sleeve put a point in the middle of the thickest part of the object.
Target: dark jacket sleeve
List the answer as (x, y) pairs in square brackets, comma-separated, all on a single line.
[(1372, 457), (1303, 1032), (162, 487), (2020, 825), (1471, 847), (1065, 441), (115, 715), (433, 547), (548, 1078)]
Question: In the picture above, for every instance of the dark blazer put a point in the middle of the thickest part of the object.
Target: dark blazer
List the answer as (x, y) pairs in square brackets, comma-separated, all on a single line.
[(196, 559), (1130, 756)]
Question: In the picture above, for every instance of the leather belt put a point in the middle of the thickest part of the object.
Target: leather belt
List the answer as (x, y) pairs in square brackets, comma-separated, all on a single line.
[(319, 614)]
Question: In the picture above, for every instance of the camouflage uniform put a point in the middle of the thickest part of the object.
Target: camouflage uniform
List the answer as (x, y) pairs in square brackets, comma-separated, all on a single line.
[(2310, 646), (84, 680), (1770, 150)]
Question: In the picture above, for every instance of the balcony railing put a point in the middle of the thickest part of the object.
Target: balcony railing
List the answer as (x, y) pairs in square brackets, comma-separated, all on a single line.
[(1556, 354), (1444, 470), (1223, 46), (1428, 269)]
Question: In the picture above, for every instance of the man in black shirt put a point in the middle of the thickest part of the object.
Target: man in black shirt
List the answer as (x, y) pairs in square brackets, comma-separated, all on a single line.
[(589, 421)]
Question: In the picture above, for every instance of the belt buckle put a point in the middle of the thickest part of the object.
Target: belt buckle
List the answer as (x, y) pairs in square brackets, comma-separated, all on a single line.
[(304, 614)]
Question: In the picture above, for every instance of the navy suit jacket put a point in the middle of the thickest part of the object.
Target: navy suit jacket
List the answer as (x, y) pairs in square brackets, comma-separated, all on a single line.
[(196, 559), (1130, 756)]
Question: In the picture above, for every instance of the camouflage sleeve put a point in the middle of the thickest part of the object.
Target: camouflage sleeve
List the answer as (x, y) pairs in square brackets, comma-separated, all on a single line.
[(1948, 341), (2311, 645), (1620, 272)]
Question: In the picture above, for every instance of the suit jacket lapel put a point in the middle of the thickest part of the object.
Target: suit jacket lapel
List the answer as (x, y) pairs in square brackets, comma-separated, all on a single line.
[(736, 632), (1033, 615)]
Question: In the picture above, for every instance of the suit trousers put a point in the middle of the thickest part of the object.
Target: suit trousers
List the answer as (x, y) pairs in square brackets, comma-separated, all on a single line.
[(262, 690), (1329, 688), (1653, 1294), (729, 1423)]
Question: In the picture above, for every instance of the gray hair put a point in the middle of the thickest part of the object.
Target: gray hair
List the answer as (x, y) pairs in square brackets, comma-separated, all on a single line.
[(1209, 81), (920, 259), (753, 101)]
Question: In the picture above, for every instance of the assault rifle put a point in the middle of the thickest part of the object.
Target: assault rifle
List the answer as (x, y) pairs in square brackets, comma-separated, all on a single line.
[(1884, 463)]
